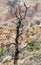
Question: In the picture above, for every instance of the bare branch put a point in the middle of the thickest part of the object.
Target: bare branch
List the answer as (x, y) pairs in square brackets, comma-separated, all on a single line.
[(8, 45), (16, 15), (25, 46), (20, 18), (20, 34), (20, 13), (25, 10)]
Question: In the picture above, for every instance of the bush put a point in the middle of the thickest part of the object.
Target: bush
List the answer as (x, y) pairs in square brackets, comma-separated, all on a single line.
[(37, 46), (34, 47), (2, 53)]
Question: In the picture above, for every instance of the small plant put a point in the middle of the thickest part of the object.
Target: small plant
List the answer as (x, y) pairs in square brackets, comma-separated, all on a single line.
[(24, 52), (37, 46), (31, 25), (2, 53), (33, 46), (37, 22)]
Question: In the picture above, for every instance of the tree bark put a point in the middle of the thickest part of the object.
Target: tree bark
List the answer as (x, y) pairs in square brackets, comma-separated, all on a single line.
[(16, 44)]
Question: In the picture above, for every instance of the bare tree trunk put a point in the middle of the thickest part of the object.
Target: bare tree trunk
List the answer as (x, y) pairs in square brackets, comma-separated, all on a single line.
[(17, 33), (16, 44), (20, 18)]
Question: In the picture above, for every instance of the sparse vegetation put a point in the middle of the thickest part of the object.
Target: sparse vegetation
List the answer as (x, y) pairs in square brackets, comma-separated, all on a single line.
[(20, 33)]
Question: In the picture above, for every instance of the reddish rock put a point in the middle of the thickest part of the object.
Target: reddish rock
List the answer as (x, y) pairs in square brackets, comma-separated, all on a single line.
[(9, 15), (38, 7)]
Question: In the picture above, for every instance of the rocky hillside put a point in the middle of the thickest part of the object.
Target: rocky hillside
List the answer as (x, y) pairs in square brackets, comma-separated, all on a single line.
[(29, 40)]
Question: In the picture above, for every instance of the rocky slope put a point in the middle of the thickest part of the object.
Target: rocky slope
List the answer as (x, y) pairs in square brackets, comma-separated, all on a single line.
[(31, 32)]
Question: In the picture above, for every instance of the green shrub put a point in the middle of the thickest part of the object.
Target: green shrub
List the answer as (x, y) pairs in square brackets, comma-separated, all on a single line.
[(2, 53), (37, 46), (34, 47), (24, 52)]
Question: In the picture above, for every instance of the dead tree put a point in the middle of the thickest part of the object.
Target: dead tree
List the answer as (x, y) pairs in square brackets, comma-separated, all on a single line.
[(17, 32), (20, 18)]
